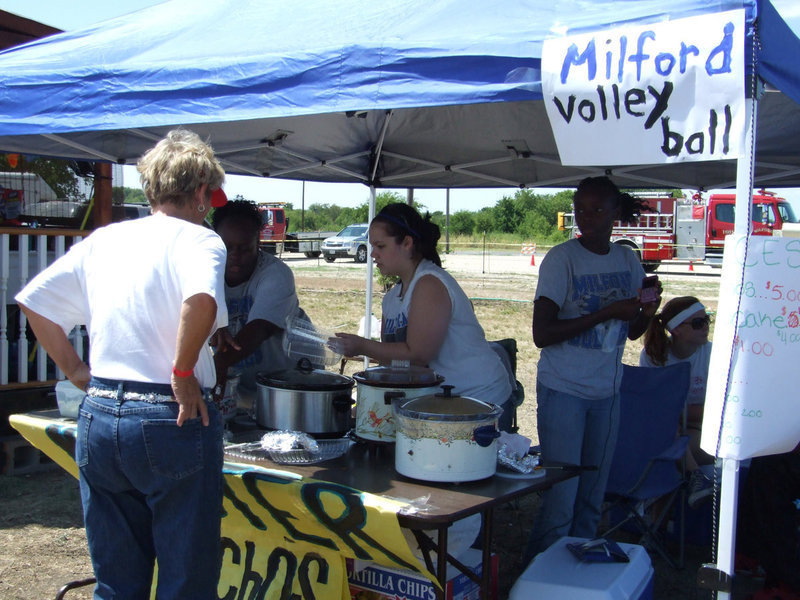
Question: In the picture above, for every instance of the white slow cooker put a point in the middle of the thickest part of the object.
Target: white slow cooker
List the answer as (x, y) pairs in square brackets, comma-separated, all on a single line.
[(443, 437), (378, 387)]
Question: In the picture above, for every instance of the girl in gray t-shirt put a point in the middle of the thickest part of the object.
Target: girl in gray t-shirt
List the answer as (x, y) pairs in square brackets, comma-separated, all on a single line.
[(587, 303)]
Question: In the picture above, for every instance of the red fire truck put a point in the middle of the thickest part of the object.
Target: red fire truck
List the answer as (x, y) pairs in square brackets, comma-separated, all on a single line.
[(693, 229), (273, 226), (275, 239)]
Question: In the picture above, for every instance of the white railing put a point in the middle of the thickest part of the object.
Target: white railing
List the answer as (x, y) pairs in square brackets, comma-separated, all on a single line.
[(24, 253)]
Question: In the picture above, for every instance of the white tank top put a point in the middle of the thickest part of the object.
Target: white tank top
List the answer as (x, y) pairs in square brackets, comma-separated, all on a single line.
[(465, 359)]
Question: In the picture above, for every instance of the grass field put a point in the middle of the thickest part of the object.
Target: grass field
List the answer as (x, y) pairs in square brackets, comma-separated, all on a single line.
[(334, 298)]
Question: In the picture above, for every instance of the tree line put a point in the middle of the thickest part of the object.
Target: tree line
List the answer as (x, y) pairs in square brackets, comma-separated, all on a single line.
[(526, 215)]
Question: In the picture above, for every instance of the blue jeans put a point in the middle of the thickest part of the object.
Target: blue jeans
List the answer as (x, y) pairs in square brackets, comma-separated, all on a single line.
[(150, 490), (582, 432)]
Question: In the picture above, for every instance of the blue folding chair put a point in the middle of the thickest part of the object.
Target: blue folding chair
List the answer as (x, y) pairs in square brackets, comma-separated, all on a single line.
[(646, 464)]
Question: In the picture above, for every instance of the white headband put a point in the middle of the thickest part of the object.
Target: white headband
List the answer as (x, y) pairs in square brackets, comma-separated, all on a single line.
[(684, 314)]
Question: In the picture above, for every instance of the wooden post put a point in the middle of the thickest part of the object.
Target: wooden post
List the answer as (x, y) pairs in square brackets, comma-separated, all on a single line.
[(102, 194)]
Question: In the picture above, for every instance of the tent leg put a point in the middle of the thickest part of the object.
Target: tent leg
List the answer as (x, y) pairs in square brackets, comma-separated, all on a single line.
[(726, 527), (726, 530), (744, 172), (370, 266)]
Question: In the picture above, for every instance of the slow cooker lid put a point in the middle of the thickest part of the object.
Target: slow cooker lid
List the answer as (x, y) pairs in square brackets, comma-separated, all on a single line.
[(445, 407), (304, 377), (398, 376)]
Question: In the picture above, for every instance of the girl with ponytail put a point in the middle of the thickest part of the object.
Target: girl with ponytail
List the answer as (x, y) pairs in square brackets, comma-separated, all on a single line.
[(679, 333), (428, 320)]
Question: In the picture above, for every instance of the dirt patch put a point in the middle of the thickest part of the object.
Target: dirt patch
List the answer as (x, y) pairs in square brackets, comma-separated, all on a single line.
[(43, 543), (42, 540)]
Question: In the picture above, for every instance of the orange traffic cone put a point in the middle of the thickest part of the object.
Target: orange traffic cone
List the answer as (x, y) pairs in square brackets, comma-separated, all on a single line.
[(533, 259), (691, 266)]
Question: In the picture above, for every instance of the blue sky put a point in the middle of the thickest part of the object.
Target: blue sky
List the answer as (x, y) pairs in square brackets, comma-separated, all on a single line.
[(74, 14)]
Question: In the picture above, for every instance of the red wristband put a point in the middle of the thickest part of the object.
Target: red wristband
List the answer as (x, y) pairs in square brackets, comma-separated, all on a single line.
[(178, 373)]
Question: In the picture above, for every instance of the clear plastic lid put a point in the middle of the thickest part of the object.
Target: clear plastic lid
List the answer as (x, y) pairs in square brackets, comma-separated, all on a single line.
[(302, 339)]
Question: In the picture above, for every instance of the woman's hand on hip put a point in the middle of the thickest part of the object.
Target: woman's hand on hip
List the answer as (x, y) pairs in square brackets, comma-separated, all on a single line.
[(190, 398), (80, 376)]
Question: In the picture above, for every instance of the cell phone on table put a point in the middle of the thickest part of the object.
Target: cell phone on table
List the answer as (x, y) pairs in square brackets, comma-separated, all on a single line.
[(649, 289)]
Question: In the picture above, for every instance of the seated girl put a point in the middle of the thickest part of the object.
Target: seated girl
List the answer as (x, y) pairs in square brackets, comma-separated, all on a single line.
[(679, 333)]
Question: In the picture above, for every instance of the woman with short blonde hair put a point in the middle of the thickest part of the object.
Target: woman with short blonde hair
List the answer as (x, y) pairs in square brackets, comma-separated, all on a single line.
[(149, 445)]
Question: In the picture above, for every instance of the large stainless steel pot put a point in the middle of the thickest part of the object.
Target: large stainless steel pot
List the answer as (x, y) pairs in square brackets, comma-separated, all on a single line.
[(378, 387), (305, 399), (446, 438)]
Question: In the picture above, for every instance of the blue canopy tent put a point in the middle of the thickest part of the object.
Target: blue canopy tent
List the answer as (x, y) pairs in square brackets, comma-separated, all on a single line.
[(402, 94), (410, 93)]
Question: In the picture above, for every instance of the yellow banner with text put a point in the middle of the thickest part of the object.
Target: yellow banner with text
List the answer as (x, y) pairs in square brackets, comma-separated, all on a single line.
[(283, 536)]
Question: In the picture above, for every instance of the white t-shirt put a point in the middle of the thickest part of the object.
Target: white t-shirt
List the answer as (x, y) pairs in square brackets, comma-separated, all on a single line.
[(465, 359), (698, 370), (268, 295), (127, 283), (581, 282)]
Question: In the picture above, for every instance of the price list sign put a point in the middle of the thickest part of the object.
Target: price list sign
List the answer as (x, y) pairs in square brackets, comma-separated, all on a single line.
[(755, 359)]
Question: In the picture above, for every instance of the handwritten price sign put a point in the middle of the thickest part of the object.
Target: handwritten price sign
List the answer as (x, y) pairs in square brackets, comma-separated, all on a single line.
[(756, 349)]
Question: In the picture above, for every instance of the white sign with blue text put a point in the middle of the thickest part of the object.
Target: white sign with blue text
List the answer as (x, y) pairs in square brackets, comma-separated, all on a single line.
[(645, 94)]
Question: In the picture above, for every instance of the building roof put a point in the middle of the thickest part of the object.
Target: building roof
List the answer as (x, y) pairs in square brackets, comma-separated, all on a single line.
[(16, 30)]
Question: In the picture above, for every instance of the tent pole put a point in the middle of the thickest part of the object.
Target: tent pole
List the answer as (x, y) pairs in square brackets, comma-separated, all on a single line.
[(726, 532), (744, 172), (368, 303), (447, 222), (729, 486), (371, 215)]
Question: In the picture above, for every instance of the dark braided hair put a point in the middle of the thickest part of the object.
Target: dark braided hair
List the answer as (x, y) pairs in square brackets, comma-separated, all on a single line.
[(402, 220), (240, 210), (630, 207)]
